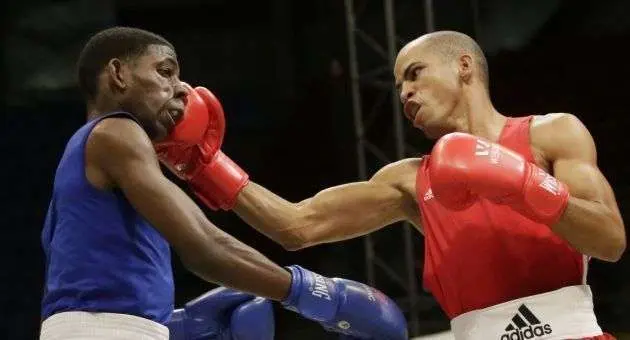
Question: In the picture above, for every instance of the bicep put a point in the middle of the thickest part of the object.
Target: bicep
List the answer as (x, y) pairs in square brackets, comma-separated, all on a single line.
[(359, 198), (357, 209), (584, 180), (573, 156)]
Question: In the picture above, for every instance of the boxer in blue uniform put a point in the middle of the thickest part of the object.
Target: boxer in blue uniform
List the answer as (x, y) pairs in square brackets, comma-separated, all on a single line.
[(113, 215)]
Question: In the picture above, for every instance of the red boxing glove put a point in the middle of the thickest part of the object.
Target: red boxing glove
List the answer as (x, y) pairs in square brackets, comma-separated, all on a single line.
[(463, 167), (193, 126), (192, 151)]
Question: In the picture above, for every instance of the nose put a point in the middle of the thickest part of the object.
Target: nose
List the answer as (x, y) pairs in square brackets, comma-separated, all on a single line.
[(405, 92), (181, 90)]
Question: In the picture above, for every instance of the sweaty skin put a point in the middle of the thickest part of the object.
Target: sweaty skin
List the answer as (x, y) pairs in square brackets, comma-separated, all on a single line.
[(442, 95)]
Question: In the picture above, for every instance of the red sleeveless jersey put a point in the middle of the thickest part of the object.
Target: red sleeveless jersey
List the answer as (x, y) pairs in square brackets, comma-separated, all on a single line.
[(489, 254)]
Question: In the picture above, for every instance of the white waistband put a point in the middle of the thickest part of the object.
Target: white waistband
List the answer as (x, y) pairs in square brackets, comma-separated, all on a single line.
[(101, 326), (561, 314)]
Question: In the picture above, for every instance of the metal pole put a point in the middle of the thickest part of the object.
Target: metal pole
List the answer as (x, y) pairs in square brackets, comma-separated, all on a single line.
[(428, 16), (400, 153), (474, 4), (392, 51), (358, 124)]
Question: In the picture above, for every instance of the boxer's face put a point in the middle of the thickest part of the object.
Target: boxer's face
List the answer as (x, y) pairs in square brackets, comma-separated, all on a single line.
[(151, 90), (429, 89)]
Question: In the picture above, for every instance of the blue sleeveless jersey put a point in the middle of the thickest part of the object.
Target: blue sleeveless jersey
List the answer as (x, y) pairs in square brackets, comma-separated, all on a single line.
[(101, 255)]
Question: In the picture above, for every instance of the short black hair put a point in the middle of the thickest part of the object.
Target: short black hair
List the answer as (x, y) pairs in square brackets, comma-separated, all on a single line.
[(116, 42)]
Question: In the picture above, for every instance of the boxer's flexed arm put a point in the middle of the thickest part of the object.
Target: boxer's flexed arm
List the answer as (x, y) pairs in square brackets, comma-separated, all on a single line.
[(120, 155), (334, 214), (563, 189), (591, 222)]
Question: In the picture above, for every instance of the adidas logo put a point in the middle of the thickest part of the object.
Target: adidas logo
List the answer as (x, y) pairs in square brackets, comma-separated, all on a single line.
[(428, 195), (549, 183), (524, 326)]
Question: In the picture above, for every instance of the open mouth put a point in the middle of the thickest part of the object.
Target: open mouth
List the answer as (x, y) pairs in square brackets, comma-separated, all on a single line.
[(411, 110), (172, 117)]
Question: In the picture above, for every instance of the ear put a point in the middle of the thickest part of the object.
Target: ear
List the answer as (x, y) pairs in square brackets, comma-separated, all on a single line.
[(118, 75), (465, 64)]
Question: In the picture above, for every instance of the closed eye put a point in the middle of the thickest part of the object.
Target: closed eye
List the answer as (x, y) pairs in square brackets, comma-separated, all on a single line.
[(415, 72)]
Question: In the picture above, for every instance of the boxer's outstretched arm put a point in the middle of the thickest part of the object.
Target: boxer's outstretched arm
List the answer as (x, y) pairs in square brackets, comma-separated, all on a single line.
[(591, 222), (334, 214), (124, 154)]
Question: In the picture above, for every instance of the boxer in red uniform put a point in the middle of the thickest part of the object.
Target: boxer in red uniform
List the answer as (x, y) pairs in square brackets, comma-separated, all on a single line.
[(512, 209)]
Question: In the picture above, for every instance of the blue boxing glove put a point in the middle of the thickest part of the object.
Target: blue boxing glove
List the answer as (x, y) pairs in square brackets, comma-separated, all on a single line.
[(223, 314), (345, 306)]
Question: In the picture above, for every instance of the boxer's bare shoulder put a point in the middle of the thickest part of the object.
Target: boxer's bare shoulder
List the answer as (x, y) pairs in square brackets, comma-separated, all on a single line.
[(111, 140), (401, 175), (560, 135)]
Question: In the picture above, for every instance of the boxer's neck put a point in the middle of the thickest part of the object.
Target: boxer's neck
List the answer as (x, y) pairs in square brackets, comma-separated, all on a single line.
[(100, 106), (478, 115)]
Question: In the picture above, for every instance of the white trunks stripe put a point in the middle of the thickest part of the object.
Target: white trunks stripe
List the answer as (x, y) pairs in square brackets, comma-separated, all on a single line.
[(565, 313), (101, 326)]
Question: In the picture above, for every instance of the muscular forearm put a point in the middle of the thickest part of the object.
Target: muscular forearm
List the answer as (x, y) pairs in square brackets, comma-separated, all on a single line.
[(593, 229), (270, 214), (295, 225), (229, 262), (334, 214)]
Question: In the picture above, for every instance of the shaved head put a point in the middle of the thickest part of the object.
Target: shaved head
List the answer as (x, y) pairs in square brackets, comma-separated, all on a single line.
[(451, 45)]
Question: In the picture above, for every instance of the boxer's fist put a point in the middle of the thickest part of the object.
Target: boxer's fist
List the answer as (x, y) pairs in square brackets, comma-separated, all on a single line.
[(196, 136), (199, 117), (223, 314), (192, 151), (463, 167), (345, 306), (253, 320)]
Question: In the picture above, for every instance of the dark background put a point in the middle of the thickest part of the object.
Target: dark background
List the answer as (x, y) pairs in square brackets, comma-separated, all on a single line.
[(280, 69)]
